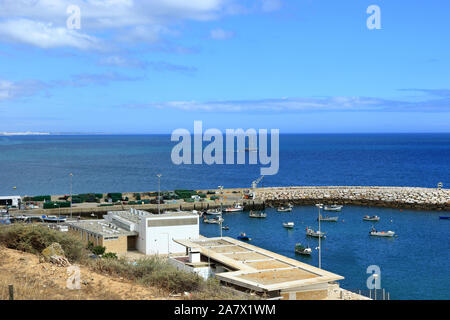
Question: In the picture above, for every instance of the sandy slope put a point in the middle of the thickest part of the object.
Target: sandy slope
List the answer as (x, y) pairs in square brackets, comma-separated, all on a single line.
[(40, 280)]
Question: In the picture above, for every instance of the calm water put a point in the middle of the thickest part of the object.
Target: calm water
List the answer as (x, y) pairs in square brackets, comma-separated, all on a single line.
[(37, 165), (414, 265)]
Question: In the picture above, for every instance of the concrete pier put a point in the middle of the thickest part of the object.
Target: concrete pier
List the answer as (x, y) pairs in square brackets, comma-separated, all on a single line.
[(389, 197)]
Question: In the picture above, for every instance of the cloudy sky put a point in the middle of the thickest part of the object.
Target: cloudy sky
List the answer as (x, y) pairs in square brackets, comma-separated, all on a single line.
[(154, 66)]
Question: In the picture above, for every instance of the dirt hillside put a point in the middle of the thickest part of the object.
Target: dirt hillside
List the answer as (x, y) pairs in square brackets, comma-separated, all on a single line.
[(33, 279)]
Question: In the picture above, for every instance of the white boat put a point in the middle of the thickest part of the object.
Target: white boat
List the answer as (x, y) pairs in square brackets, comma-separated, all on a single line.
[(288, 225), (54, 219), (372, 218), (333, 208), (235, 208), (327, 218), (214, 212), (376, 233), (257, 214), (214, 221), (316, 234), (284, 209)]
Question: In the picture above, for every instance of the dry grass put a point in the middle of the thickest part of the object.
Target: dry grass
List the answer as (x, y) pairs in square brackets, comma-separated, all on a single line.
[(29, 287)]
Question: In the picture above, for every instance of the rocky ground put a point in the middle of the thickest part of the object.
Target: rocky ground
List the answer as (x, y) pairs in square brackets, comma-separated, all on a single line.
[(401, 197), (34, 279)]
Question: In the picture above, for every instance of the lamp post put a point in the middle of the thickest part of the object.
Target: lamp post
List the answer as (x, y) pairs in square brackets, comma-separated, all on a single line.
[(159, 175), (221, 209), (71, 175), (221, 197), (319, 206)]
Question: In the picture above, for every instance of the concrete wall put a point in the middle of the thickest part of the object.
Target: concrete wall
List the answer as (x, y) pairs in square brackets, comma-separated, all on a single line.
[(311, 292), (118, 246), (159, 240), (204, 272)]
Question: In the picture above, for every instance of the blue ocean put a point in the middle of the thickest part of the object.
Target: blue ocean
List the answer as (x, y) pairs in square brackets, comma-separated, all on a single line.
[(41, 164), (413, 266)]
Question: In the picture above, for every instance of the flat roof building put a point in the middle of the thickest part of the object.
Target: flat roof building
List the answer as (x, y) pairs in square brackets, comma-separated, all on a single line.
[(121, 231), (13, 201), (250, 268)]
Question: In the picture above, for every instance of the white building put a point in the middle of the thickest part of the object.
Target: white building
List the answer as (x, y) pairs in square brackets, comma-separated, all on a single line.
[(157, 231), (10, 201)]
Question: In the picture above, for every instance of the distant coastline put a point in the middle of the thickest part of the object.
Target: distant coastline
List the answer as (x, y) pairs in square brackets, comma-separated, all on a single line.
[(28, 133)]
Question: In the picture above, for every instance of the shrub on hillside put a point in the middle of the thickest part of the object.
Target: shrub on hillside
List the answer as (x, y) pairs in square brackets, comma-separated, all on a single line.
[(35, 238), (98, 250)]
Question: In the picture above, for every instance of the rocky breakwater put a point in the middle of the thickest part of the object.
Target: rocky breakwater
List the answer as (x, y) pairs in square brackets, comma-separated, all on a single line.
[(391, 197)]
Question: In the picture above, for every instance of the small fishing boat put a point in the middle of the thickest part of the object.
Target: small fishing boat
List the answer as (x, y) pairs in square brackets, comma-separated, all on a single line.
[(284, 209), (288, 225), (225, 228), (243, 236), (444, 217), (53, 219), (333, 207), (371, 218), (257, 214), (316, 234), (235, 208), (301, 249), (213, 212), (376, 233), (328, 219), (214, 220)]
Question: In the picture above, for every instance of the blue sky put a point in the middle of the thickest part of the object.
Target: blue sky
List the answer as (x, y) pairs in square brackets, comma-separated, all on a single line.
[(299, 66)]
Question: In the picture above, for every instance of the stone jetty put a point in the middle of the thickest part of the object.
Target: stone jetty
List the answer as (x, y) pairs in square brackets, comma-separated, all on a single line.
[(391, 197)]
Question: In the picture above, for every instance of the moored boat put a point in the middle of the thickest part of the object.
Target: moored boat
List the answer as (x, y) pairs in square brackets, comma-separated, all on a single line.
[(376, 233), (444, 217), (284, 209), (53, 219), (214, 220), (225, 228), (333, 207), (301, 249), (257, 214), (243, 236), (371, 218), (316, 234), (213, 212), (235, 208), (288, 225)]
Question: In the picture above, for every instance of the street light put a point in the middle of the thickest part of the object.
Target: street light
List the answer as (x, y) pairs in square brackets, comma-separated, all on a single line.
[(221, 209), (71, 175), (159, 175), (319, 206)]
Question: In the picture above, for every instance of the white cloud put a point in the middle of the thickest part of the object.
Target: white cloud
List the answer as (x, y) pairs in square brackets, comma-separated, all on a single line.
[(45, 35), (329, 104), (17, 89), (220, 34), (28, 21)]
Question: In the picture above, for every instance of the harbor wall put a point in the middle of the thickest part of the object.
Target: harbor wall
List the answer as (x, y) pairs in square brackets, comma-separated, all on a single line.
[(390, 197)]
